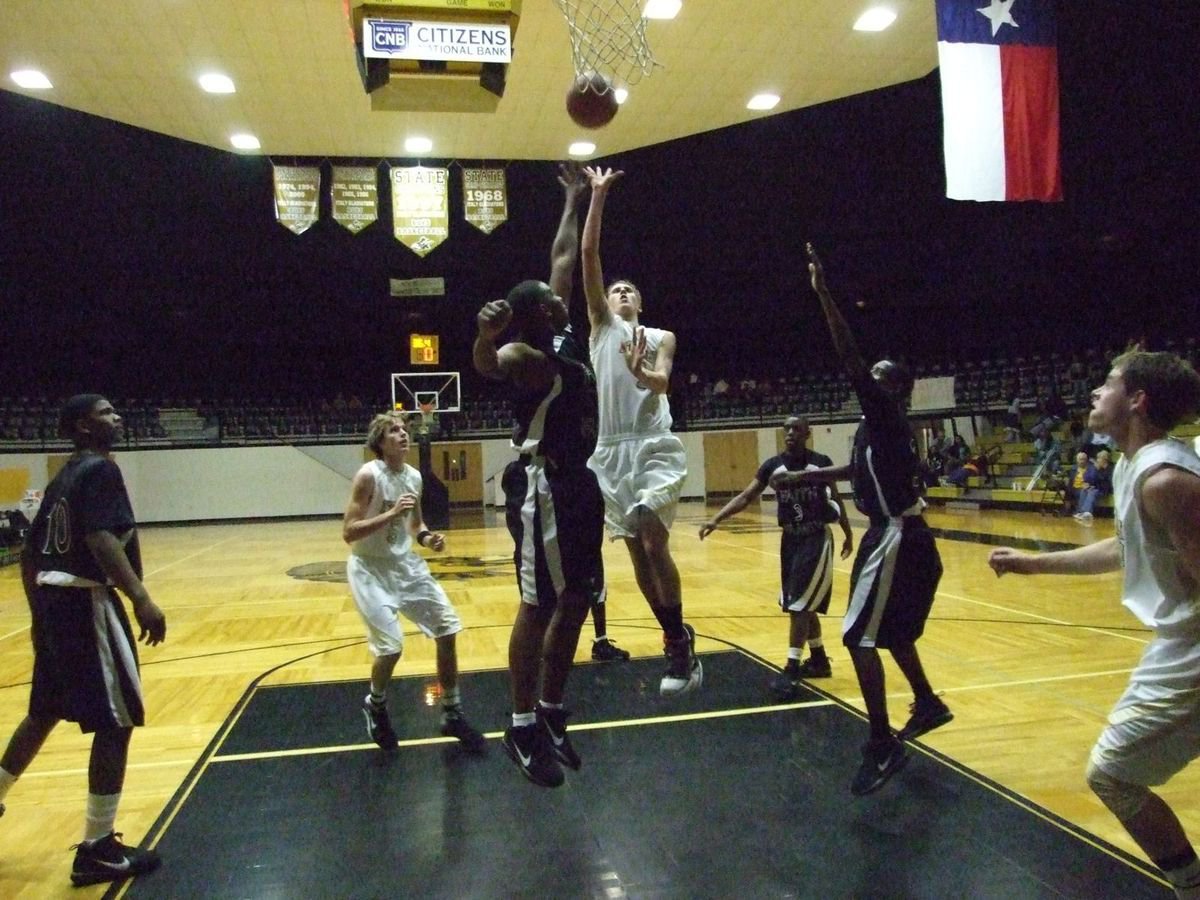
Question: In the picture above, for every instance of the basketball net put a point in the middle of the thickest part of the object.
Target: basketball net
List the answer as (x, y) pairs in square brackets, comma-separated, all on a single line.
[(609, 37), (425, 418)]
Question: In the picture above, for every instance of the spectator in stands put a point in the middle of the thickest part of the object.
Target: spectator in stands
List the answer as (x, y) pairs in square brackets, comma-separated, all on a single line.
[(959, 451), (1100, 487), (1046, 447), (1080, 480), (1012, 420)]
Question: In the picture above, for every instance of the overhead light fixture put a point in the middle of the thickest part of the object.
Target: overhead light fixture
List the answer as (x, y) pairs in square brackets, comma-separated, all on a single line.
[(217, 84), (244, 141), (418, 145), (31, 79), (661, 9), (763, 101), (875, 19), (620, 95), (582, 148)]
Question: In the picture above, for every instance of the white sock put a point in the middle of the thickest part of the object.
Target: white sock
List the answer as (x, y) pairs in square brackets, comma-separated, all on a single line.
[(452, 697), (814, 643), (520, 720), (544, 705), (101, 816), (599, 638), (7, 780), (796, 653)]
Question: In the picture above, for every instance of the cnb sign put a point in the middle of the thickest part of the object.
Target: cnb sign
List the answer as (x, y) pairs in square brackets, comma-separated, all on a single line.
[(408, 39)]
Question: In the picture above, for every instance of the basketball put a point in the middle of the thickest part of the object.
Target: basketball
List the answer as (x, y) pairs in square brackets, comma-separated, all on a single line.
[(591, 102)]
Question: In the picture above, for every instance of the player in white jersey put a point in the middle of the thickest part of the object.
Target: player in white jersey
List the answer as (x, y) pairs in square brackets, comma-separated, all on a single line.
[(1153, 731), (388, 577), (639, 463)]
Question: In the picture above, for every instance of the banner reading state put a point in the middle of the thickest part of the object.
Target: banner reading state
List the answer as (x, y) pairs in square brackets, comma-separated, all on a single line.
[(485, 198), (420, 207), (354, 197), (297, 191)]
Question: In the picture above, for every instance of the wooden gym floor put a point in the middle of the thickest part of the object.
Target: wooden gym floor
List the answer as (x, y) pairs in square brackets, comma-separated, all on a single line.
[(1030, 668)]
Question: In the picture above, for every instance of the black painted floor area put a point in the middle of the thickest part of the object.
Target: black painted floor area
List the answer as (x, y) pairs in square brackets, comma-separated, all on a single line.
[(722, 805)]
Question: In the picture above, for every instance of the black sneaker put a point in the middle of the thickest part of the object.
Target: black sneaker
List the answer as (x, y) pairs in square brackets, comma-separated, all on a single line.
[(816, 668), (684, 672), (379, 726), (455, 725), (109, 860), (783, 686), (881, 760), (926, 715), (605, 650), (554, 727), (528, 748)]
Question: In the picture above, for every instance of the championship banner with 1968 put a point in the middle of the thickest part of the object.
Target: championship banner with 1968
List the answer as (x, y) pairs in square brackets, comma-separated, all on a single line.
[(420, 207), (354, 197), (297, 191), (485, 198)]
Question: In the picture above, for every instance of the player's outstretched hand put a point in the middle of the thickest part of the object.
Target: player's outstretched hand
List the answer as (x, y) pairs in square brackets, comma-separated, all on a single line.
[(706, 529), (493, 318), (1006, 559), (602, 179), (573, 178)]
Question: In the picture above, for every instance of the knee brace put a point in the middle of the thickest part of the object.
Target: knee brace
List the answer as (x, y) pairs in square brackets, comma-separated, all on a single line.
[(1123, 799)]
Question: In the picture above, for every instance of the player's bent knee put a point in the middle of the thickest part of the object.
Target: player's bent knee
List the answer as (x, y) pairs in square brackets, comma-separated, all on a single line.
[(1124, 799)]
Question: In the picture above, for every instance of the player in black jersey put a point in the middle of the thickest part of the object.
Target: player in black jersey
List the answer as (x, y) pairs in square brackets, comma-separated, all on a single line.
[(897, 569), (805, 513), (81, 549), (560, 528)]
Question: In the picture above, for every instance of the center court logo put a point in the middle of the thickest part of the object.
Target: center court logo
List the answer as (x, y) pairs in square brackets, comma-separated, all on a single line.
[(460, 568)]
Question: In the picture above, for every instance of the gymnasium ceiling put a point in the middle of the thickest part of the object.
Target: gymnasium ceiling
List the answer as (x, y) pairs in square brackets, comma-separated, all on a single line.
[(299, 91)]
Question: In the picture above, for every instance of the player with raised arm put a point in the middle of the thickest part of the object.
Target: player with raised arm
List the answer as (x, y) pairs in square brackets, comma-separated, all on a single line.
[(640, 464), (897, 569), (805, 514), (1153, 731)]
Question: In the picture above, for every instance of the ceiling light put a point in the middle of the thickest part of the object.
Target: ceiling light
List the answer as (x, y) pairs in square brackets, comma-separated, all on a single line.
[(620, 95), (217, 84), (418, 145), (661, 9), (875, 19), (31, 79), (244, 141), (763, 101), (582, 148)]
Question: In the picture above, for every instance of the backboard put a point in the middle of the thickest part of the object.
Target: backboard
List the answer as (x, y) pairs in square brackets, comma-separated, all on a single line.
[(441, 389)]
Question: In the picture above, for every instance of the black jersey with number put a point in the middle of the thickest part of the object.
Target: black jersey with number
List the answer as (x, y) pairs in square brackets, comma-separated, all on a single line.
[(885, 466), (801, 504), (86, 496), (560, 424)]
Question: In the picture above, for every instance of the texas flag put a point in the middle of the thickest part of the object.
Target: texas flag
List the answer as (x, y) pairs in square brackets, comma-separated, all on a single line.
[(999, 68)]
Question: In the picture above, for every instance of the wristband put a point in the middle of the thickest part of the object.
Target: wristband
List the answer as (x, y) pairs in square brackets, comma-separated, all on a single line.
[(421, 535)]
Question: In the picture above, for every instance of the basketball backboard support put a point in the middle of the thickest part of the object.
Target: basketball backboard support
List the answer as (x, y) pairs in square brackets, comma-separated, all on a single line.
[(441, 389)]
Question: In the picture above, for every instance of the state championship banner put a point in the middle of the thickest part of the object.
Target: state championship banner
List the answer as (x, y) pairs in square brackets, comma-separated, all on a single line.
[(999, 73), (485, 198), (420, 207), (354, 197), (297, 192)]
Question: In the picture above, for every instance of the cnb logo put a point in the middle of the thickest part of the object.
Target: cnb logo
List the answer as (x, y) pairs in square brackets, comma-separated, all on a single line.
[(388, 37)]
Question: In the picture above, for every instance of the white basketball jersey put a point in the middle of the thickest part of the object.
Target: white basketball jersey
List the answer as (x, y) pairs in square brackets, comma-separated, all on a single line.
[(627, 407), (1158, 590), (393, 540)]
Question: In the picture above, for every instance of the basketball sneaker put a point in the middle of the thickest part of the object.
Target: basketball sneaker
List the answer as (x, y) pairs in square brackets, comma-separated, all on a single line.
[(455, 725), (927, 714), (604, 650), (379, 726), (881, 760), (783, 686), (109, 860), (816, 668), (554, 725), (526, 745), (684, 672)]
